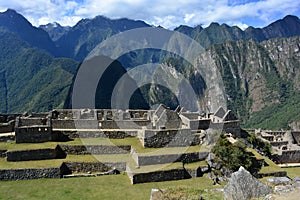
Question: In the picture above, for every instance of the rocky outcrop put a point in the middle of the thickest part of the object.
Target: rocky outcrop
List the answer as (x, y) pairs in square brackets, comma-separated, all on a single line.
[(243, 185)]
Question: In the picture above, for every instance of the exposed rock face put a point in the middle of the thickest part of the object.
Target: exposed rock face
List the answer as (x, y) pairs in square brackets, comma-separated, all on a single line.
[(243, 185)]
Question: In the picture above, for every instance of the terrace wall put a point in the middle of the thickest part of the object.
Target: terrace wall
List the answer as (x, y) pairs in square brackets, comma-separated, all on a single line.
[(35, 154), (33, 173), (95, 149), (170, 158), (95, 166), (165, 175)]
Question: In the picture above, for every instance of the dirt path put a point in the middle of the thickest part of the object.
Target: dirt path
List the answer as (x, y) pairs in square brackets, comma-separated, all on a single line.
[(293, 195)]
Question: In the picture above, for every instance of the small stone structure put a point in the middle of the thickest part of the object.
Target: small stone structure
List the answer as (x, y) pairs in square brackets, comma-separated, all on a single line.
[(33, 130)]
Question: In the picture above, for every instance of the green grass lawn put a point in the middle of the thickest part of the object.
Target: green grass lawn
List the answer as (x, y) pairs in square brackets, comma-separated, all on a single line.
[(105, 187)]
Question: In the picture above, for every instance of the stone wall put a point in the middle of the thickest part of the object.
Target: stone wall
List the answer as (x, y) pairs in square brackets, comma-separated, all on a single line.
[(5, 118), (112, 134), (3, 153), (95, 124), (232, 127), (7, 138), (170, 158), (32, 121), (125, 124), (275, 174), (290, 156), (33, 173), (74, 124), (296, 136), (33, 134), (165, 175), (170, 138), (168, 119), (195, 123), (202, 124), (279, 144), (95, 166), (35, 154), (8, 127), (95, 149)]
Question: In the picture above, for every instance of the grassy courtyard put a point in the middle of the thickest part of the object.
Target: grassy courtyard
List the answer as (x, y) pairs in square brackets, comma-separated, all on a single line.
[(105, 187)]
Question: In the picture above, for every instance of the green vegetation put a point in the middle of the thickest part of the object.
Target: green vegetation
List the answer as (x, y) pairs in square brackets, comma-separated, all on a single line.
[(31, 80), (176, 193), (278, 115), (104, 187), (292, 171), (270, 167), (257, 143), (235, 155)]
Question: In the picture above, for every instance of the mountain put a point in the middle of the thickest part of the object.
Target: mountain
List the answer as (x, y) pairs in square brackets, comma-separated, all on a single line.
[(258, 66), (215, 33), (88, 33), (19, 25), (30, 79), (55, 30), (260, 78), (114, 81)]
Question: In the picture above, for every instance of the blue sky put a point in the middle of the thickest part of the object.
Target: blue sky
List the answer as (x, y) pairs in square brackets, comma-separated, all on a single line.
[(167, 13)]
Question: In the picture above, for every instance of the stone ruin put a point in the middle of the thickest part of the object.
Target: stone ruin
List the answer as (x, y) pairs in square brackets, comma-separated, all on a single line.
[(160, 128), (285, 144)]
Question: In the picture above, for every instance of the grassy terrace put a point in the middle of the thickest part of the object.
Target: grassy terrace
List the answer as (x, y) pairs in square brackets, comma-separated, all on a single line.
[(291, 171), (134, 142), (57, 162), (272, 167)]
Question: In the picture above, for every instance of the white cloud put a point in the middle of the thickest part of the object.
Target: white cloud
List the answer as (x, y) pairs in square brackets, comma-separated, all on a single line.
[(167, 13)]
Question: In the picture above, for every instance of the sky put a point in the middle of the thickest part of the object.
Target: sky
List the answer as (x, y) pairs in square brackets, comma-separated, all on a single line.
[(166, 13)]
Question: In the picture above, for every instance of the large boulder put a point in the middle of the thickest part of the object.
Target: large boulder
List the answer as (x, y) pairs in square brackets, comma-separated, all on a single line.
[(242, 185)]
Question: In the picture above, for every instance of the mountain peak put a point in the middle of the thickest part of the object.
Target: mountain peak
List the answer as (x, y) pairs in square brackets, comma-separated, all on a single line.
[(288, 17), (12, 11), (16, 23)]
